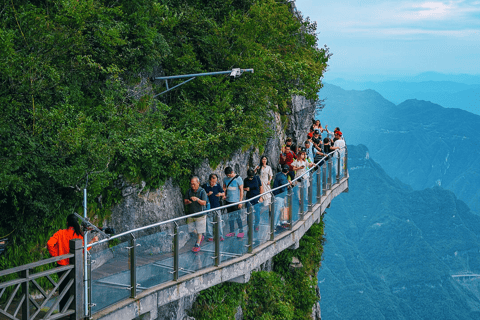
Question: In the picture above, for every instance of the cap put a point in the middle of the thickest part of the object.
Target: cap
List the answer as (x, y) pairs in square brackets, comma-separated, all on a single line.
[(285, 168), (339, 133), (316, 131)]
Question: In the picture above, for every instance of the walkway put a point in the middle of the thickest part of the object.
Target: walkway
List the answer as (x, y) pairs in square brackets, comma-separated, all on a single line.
[(154, 260)]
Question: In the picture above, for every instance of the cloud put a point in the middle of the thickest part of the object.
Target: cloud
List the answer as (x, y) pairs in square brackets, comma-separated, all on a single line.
[(438, 10), (386, 16)]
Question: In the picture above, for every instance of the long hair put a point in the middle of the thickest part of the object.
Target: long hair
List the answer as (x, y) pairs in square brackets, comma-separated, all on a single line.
[(72, 221), (261, 158)]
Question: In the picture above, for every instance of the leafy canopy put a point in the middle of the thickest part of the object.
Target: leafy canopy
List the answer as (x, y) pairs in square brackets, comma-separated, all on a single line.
[(78, 102)]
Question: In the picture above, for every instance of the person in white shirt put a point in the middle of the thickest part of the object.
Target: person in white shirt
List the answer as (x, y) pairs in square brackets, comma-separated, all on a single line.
[(300, 165), (340, 147)]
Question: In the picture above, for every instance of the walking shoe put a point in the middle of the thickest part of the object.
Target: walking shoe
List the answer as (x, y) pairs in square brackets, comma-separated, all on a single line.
[(210, 239), (231, 234), (221, 239), (196, 248), (240, 235)]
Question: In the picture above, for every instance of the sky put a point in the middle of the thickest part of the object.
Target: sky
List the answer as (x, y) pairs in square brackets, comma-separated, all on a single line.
[(383, 38)]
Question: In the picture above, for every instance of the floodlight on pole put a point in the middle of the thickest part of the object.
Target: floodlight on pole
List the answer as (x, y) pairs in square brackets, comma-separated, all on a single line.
[(234, 73)]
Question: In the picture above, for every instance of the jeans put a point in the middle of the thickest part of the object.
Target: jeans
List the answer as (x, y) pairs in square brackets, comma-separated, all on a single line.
[(256, 212), (234, 214), (279, 204), (210, 225)]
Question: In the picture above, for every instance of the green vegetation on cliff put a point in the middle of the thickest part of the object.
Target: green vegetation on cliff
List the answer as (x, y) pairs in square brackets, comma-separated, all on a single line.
[(283, 293), (78, 100)]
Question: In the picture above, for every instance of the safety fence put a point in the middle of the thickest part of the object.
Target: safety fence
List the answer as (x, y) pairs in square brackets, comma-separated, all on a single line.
[(65, 299), (141, 261)]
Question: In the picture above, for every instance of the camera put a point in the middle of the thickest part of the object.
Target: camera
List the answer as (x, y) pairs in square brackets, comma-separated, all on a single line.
[(106, 230), (236, 72)]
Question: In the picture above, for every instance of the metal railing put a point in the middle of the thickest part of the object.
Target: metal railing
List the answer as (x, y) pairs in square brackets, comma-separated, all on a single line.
[(69, 288), (128, 276), (146, 261)]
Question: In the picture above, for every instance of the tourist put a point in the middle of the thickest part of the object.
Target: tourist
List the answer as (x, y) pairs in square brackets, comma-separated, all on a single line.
[(318, 126), (310, 133), (310, 153), (339, 145), (288, 143), (286, 158), (196, 201), (266, 175), (215, 193), (300, 165), (233, 187), (253, 186), (59, 244), (280, 180), (317, 141)]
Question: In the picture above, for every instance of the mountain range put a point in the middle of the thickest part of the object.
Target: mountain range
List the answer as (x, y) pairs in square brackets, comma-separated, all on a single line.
[(397, 253), (447, 93), (421, 143)]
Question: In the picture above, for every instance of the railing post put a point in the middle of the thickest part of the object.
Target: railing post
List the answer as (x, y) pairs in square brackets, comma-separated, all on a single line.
[(250, 228), (324, 178), (310, 192), (319, 183), (338, 167), (272, 217), (89, 283), (345, 163), (77, 289), (302, 200), (217, 221), (176, 249), (133, 267), (290, 208), (26, 292), (330, 169)]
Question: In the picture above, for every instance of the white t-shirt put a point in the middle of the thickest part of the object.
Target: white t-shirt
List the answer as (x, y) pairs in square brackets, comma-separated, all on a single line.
[(299, 163), (340, 143)]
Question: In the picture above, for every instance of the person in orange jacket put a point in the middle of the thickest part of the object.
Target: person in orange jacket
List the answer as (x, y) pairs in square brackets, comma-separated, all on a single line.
[(59, 244)]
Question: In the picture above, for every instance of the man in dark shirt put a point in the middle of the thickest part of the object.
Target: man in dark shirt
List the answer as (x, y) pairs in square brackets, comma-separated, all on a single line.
[(253, 186), (215, 193), (195, 201), (317, 141), (280, 180)]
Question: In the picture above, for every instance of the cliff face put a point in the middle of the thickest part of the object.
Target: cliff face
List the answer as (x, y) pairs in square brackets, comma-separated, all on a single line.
[(140, 207)]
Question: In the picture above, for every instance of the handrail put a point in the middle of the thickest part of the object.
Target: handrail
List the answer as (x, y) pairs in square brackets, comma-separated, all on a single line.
[(35, 264), (207, 211)]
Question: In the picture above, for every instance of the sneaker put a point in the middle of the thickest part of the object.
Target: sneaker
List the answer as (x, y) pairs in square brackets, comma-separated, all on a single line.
[(196, 248), (210, 239), (257, 228), (240, 235), (231, 234), (221, 239)]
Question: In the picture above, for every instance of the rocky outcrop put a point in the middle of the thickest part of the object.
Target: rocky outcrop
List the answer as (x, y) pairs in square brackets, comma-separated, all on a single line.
[(141, 207), (177, 310), (316, 312)]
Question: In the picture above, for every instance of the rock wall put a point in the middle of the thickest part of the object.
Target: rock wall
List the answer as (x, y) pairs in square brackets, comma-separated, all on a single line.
[(141, 207)]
